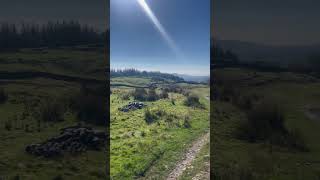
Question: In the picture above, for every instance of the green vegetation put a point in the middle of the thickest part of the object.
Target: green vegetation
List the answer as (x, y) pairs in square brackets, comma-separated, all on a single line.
[(42, 92), (193, 101), (147, 143), (262, 125)]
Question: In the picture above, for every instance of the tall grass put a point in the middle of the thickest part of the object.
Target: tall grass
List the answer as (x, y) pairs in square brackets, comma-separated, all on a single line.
[(266, 123)]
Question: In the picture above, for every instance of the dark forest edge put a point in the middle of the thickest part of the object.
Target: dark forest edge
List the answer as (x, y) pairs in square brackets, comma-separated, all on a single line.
[(157, 76), (51, 34), (226, 58)]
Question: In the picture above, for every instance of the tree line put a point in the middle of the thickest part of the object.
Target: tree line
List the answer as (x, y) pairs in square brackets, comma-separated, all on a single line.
[(158, 76), (223, 58), (51, 34)]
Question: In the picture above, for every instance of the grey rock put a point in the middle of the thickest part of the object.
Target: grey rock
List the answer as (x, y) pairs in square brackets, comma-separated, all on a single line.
[(73, 139)]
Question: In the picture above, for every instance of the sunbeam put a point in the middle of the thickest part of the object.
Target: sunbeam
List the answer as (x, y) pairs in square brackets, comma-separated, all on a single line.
[(160, 28)]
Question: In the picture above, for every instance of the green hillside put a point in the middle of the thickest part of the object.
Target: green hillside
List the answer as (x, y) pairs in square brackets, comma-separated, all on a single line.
[(147, 143), (38, 91), (290, 151)]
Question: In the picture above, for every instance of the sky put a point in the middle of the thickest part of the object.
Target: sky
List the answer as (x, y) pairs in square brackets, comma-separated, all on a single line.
[(91, 12), (273, 22), (136, 42)]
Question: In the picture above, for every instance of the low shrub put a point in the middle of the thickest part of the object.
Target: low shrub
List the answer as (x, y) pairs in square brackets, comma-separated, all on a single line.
[(262, 121), (16, 177), (193, 101), (51, 110), (3, 96), (152, 95), (174, 89), (150, 116), (296, 141), (164, 94), (186, 122), (58, 177), (160, 112), (140, 94), (173, 102), (8, 125), (125, 96), (266, 123), (91, 106)]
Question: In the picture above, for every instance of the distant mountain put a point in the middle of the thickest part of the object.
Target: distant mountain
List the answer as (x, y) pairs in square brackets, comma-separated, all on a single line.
[(248, 51), (190, 78)]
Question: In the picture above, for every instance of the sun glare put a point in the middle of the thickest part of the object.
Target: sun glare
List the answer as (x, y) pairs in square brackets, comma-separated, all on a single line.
[(160, 28)]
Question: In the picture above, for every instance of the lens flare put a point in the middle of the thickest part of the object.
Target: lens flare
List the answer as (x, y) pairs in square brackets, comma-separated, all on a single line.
[(160, 28)]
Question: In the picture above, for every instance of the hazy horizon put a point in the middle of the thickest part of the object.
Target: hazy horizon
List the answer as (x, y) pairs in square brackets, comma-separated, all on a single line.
[(170, 36), (270, 44), (269, 22), (171, 70)]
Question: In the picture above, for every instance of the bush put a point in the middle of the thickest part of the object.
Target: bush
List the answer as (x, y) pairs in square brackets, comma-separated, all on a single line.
[(150, 117), (91, 106), (173, 102), (266, 123), (193, 101), (51, 110), (152, 95), (58, 177), (186, 122), (3, 96), (296, 141), (140, 94), (8, 125), (160, 113), (173, 89), (143, 133), (16, 177), (164, 94), (263, 120), (125, 96)]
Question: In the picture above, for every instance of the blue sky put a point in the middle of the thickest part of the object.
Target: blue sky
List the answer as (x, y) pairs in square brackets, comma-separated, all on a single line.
[(137, 43)]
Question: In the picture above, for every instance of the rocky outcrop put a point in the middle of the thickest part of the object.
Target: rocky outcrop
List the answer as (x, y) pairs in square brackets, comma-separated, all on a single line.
[(72, 139), (132, 106)]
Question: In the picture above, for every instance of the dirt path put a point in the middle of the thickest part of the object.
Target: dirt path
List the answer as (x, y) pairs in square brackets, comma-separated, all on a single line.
[(189, 157)]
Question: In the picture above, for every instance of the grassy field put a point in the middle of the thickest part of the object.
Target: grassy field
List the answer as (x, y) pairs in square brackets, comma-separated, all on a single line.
[(68, 61), (151, 150), (19, 124), (295, 94)]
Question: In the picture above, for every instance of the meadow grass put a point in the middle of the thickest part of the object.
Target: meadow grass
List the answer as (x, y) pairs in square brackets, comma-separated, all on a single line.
[(15, 163), (142, 150), (238, 159)]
